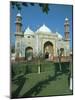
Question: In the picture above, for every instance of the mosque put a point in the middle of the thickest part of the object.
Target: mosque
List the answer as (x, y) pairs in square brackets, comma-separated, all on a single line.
[(42, 42)]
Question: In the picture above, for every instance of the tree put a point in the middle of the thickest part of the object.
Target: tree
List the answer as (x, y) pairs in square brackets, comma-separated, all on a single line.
[(19, 5), (59, 57), (39, 59)]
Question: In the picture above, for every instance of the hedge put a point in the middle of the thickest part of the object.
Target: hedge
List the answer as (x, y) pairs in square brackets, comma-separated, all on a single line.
[(26, 68)]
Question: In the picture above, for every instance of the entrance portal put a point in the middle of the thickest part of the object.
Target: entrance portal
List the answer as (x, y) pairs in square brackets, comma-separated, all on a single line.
[(48, 49)]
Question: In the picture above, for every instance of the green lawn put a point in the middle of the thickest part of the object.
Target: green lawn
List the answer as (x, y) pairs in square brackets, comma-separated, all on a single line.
[(47, 83)]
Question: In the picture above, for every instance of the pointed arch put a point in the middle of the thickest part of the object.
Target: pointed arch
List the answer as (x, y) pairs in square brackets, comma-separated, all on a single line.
[(48, 49)]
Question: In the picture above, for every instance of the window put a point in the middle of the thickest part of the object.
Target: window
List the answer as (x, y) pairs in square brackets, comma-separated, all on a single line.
[(28, 36)]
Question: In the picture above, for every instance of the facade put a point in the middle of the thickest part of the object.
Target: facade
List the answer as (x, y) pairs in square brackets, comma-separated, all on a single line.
[(43, 41)]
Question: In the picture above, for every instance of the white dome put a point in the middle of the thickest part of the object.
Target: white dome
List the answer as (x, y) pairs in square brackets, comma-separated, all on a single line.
[(43, 29), (28, 31), (59, 35), (18, 15)]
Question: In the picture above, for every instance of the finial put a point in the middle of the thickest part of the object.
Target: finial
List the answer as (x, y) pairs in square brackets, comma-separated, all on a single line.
[(28, 27)]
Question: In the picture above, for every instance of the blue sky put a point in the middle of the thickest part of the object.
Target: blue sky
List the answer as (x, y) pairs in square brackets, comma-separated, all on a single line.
[(33, 17)]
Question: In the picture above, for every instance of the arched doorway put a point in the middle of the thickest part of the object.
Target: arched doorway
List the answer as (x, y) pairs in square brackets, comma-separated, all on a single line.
[(48, 49), (29, 53)]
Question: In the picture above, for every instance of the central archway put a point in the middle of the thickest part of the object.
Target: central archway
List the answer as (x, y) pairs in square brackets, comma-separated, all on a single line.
[(29, 53), (48, 49)]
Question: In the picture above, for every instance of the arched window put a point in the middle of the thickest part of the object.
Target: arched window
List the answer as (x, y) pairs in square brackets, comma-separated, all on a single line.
[(28, 36)]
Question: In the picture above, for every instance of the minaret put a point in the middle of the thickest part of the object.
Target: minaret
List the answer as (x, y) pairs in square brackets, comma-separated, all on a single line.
[(18, 23), (67, 37), (66, 27), (18, 34)]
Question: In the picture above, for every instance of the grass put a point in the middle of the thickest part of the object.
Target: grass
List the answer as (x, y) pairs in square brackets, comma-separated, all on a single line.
[(47, 83)]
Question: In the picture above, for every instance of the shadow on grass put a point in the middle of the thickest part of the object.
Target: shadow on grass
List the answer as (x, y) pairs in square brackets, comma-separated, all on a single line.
[(20, 81), (34, 91)]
